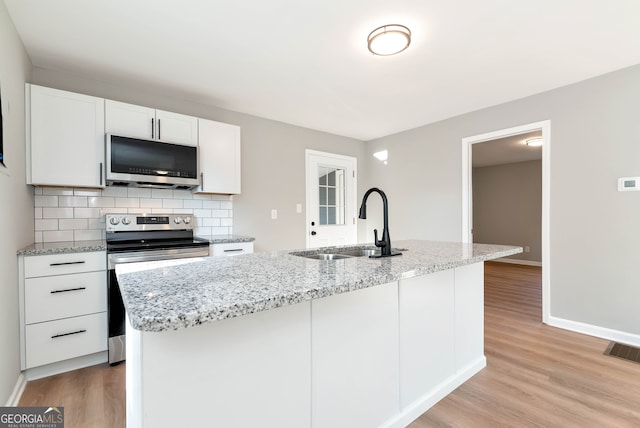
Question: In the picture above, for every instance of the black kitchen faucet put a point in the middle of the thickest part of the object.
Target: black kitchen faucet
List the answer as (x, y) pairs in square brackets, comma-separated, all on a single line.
[(385, 243)]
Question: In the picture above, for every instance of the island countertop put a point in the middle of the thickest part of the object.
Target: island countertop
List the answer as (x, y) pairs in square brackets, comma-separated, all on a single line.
[(172, 295)]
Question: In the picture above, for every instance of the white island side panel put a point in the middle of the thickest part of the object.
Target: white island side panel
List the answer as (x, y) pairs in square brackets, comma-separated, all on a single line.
[(238, 372)]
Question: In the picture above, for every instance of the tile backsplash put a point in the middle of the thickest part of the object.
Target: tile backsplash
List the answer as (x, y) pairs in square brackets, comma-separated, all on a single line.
[(71, 214)]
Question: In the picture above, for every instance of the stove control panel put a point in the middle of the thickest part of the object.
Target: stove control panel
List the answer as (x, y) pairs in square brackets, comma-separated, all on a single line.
[(133, 222)]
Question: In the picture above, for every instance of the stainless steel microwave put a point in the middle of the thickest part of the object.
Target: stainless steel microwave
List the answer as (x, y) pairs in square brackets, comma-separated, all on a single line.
[(137, 162)]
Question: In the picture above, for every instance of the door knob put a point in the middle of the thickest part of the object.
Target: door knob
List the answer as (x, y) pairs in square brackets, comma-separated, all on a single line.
[(313, 233)]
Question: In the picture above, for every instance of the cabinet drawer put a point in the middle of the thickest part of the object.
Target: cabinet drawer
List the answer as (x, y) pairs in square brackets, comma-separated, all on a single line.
[(231, 249), (60, 264), (53, 341), (63, 296)]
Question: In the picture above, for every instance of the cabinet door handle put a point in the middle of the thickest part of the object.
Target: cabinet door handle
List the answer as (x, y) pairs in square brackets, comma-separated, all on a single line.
[(101, 173), (233, 250), (68, 289), (67, 263), (159, 137), (153, 129), (68, 334)]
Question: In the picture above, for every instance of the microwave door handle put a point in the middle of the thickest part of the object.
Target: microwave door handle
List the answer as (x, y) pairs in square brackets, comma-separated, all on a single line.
[(159, 137), (153, 127)]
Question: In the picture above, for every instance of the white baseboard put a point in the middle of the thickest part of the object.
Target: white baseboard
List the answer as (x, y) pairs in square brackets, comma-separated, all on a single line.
[(15, 396), (413, 411), (518, 262), (596, 331), (66, 365)]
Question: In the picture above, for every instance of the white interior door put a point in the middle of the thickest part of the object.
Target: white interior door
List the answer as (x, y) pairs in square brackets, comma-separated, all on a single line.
[(331, 199)]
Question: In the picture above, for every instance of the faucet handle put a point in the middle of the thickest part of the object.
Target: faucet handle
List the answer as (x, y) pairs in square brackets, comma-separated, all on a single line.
[(378, 244)]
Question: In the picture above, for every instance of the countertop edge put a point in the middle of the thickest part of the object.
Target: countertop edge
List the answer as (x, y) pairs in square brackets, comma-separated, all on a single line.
[(62, 248)]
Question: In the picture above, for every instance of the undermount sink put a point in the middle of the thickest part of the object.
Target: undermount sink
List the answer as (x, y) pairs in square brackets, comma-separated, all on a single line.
[(342, 253), (325, 256)]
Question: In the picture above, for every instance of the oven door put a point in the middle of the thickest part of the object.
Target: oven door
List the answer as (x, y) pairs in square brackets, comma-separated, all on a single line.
[(116, 317), (116, 311)]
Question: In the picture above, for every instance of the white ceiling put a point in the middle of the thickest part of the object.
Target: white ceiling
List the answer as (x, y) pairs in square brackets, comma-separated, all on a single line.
[(306, 62), (505, 150)]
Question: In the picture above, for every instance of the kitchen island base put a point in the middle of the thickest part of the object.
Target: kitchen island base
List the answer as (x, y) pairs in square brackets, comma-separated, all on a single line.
[(378, 356)]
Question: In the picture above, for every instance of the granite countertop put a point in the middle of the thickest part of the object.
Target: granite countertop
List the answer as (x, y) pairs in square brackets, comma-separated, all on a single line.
[(171, 295), (62, 247), (224, 239), (86, 246)]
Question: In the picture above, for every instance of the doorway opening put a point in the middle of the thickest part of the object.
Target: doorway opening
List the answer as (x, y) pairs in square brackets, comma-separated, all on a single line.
[(544, 130)]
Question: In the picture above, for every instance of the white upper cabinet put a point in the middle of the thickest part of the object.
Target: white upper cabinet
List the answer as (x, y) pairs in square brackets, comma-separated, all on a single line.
[(131, 120), (65, 138), (219, 157), (177, 128)]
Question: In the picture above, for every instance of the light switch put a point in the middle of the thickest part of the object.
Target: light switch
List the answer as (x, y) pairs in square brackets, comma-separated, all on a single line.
[(627, 184), (274, 214), (299, 208)]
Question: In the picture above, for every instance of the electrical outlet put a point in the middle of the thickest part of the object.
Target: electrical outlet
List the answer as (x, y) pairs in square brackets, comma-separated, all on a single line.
[(299, 208), (527, 249), (274, 214)]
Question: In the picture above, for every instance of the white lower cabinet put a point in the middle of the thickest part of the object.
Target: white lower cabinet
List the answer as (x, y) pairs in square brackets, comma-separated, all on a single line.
[(426, 334), (63, 310), (375, 357), (354, 354), (231, 249), (49, 342)]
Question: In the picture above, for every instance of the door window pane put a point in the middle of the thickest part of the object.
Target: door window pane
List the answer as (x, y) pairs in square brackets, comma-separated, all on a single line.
[(323, 215), (331, 190)]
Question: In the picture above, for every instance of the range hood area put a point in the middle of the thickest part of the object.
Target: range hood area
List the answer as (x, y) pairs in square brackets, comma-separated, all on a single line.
[(135, 162)]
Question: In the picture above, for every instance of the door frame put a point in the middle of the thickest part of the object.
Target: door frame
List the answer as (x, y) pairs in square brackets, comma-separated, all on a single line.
[(353, 191), (467, 196)]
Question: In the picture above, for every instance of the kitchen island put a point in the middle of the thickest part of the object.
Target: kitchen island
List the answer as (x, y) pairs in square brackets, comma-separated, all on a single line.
[(279, 340)]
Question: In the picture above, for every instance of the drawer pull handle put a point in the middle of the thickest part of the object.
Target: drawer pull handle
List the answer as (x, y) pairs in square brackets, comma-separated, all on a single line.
[(233, 250), (68, 334), (66, 263), (68, 289)]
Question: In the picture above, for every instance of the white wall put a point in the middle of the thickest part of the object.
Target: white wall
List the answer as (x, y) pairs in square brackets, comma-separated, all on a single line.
[(272, 158), (595, 230), (507, 206), (16, 198)]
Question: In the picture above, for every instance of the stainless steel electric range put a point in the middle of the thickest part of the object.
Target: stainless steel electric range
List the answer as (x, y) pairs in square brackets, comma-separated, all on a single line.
[(141, 238)]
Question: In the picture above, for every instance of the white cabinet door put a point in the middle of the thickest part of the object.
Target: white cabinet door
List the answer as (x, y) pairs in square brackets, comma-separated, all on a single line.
[(49, 342), (131, 120), (354, 355), (177, 128), (65, 141), (426, 334), (469, 315), (219, 157)]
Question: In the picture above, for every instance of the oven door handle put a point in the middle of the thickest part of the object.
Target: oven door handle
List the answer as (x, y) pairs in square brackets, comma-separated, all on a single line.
[(149, 256)]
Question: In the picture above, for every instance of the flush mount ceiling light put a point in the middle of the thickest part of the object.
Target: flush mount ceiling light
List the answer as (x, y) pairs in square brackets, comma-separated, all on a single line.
[(534, 142), (389, 40)]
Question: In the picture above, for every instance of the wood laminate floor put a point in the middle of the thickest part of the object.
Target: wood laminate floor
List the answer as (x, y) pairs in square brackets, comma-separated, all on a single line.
[(536, 375), (93, 397)]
